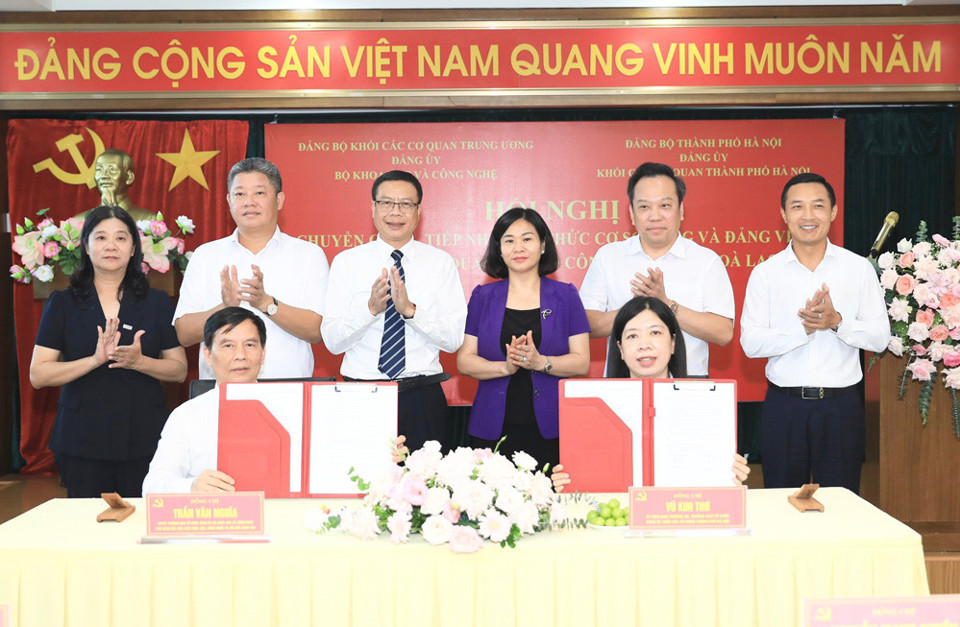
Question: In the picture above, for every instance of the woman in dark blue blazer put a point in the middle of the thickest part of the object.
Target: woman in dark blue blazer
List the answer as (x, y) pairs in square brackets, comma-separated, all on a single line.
[(109, 341), (523, 333)]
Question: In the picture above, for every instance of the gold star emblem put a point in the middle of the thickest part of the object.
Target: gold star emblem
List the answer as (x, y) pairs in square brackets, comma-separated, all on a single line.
[(189, 162)]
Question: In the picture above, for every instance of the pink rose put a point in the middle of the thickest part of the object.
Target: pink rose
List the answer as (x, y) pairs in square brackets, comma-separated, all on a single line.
[(920, 350), (44, 224), (481, 455), (952, 378), (925, 317), (450, 513), (414, 490), (906, 260), (949, 300), (29, 248), (180, 246), (922, 293), (465, 539), (951, 359), (955, 333), (144, 267), (51, 250), (939, 333), (922, 369), (905, 285), (940, 240), (158, 228)]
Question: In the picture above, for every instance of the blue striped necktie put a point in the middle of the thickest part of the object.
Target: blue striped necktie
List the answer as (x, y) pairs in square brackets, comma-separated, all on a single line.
[(392, 352)]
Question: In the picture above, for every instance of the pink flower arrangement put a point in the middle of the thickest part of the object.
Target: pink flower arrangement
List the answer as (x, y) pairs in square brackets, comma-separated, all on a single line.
[(161, 249), (45, 247), (459, 499), (921, 283)]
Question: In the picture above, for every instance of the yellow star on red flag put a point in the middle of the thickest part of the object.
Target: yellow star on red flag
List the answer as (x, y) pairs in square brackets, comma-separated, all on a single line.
[(189, 162)]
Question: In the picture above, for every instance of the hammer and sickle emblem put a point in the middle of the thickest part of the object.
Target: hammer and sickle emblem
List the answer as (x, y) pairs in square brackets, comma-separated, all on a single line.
[(84, 173)]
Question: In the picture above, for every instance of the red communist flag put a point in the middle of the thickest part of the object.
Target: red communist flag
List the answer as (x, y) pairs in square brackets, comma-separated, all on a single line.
[(180, 168)]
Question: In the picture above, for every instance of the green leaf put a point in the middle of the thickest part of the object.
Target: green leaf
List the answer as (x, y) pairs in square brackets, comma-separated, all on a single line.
[(926, 394)]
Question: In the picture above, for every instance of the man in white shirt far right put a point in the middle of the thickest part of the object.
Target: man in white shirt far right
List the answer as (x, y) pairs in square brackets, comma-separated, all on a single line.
[(809, 309)]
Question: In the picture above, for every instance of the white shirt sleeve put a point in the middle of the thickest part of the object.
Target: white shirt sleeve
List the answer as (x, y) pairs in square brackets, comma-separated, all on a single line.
[(170, 468), (718, 294), (442, 325), (758, 336), (316, 272), (343, 323), (593, 290), (868, 327), (191, 298)]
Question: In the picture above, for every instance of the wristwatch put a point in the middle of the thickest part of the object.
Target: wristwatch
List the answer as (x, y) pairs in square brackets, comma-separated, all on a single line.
[(674, 307), (272, 307), (549, 367)]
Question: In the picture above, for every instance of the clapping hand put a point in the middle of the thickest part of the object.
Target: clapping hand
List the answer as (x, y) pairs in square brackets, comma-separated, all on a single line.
[(379, 294), (252, 290), (230, 292), (522, 353), (818, 313), (651, 285), (107, 340), (127, 356)]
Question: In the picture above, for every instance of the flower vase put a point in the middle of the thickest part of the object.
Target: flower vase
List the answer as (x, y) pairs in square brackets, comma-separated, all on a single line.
[(169, 282), (42, 291), (919, 464)]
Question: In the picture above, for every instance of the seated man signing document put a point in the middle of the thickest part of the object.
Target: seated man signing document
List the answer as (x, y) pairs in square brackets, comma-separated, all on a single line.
[(234, 340)]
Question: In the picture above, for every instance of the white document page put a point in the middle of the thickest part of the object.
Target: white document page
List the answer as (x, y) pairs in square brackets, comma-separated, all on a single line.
[(351, 425), (694, 434), (625, 398), (285, 402)]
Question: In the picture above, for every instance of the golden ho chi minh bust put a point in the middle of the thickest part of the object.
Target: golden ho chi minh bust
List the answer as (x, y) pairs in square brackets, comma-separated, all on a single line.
[(114, 175)]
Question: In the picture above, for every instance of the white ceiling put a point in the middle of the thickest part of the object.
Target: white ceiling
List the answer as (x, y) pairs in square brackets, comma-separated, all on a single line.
[(259, 5)]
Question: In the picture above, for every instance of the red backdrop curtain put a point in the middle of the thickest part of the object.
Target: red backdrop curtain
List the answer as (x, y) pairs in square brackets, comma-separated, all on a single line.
[(50, 165)]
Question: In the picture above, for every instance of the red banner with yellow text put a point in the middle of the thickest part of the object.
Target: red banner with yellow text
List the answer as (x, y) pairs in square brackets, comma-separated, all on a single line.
[(173, 59), (575, 175), (180, 168)]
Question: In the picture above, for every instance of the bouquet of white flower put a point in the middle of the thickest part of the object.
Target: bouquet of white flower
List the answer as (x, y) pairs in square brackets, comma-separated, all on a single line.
[(459, 499), (921, 284)]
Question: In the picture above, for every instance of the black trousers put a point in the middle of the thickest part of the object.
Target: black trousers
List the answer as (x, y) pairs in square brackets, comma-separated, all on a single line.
[(823, 438), (87, 478), (423, 414)]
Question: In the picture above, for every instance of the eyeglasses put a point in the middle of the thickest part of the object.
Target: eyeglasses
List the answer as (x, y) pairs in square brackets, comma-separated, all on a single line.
[(406, 206)]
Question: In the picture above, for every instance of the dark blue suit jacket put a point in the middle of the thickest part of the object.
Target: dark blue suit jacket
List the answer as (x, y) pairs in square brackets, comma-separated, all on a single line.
[(111, 414), (561, 316)]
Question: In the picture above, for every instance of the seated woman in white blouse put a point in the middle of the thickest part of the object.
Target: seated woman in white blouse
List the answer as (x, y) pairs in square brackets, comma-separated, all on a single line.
[(651, 347)]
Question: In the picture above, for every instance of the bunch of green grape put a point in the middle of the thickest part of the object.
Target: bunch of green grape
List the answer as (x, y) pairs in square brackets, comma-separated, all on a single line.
[(609, 514)]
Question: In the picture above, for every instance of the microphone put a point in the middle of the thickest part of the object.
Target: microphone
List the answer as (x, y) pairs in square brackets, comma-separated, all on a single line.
[(888, 223)]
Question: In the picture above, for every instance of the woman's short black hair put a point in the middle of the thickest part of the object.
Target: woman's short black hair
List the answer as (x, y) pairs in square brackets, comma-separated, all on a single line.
[(227, 319), (134, 281), (492, 262), (617, 368)]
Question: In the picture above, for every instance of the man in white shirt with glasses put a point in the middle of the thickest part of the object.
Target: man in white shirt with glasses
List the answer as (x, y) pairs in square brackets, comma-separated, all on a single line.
[(392, 305)]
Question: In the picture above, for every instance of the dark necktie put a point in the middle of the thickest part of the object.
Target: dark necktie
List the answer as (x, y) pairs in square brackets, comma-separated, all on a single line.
[(392, 356)]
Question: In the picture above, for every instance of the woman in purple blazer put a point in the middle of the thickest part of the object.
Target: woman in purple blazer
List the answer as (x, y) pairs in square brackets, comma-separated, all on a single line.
[(523, 334)]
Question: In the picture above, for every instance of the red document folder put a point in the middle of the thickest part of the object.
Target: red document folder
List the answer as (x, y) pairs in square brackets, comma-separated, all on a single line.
[(598, 444), (253, 447), (261, 454)]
